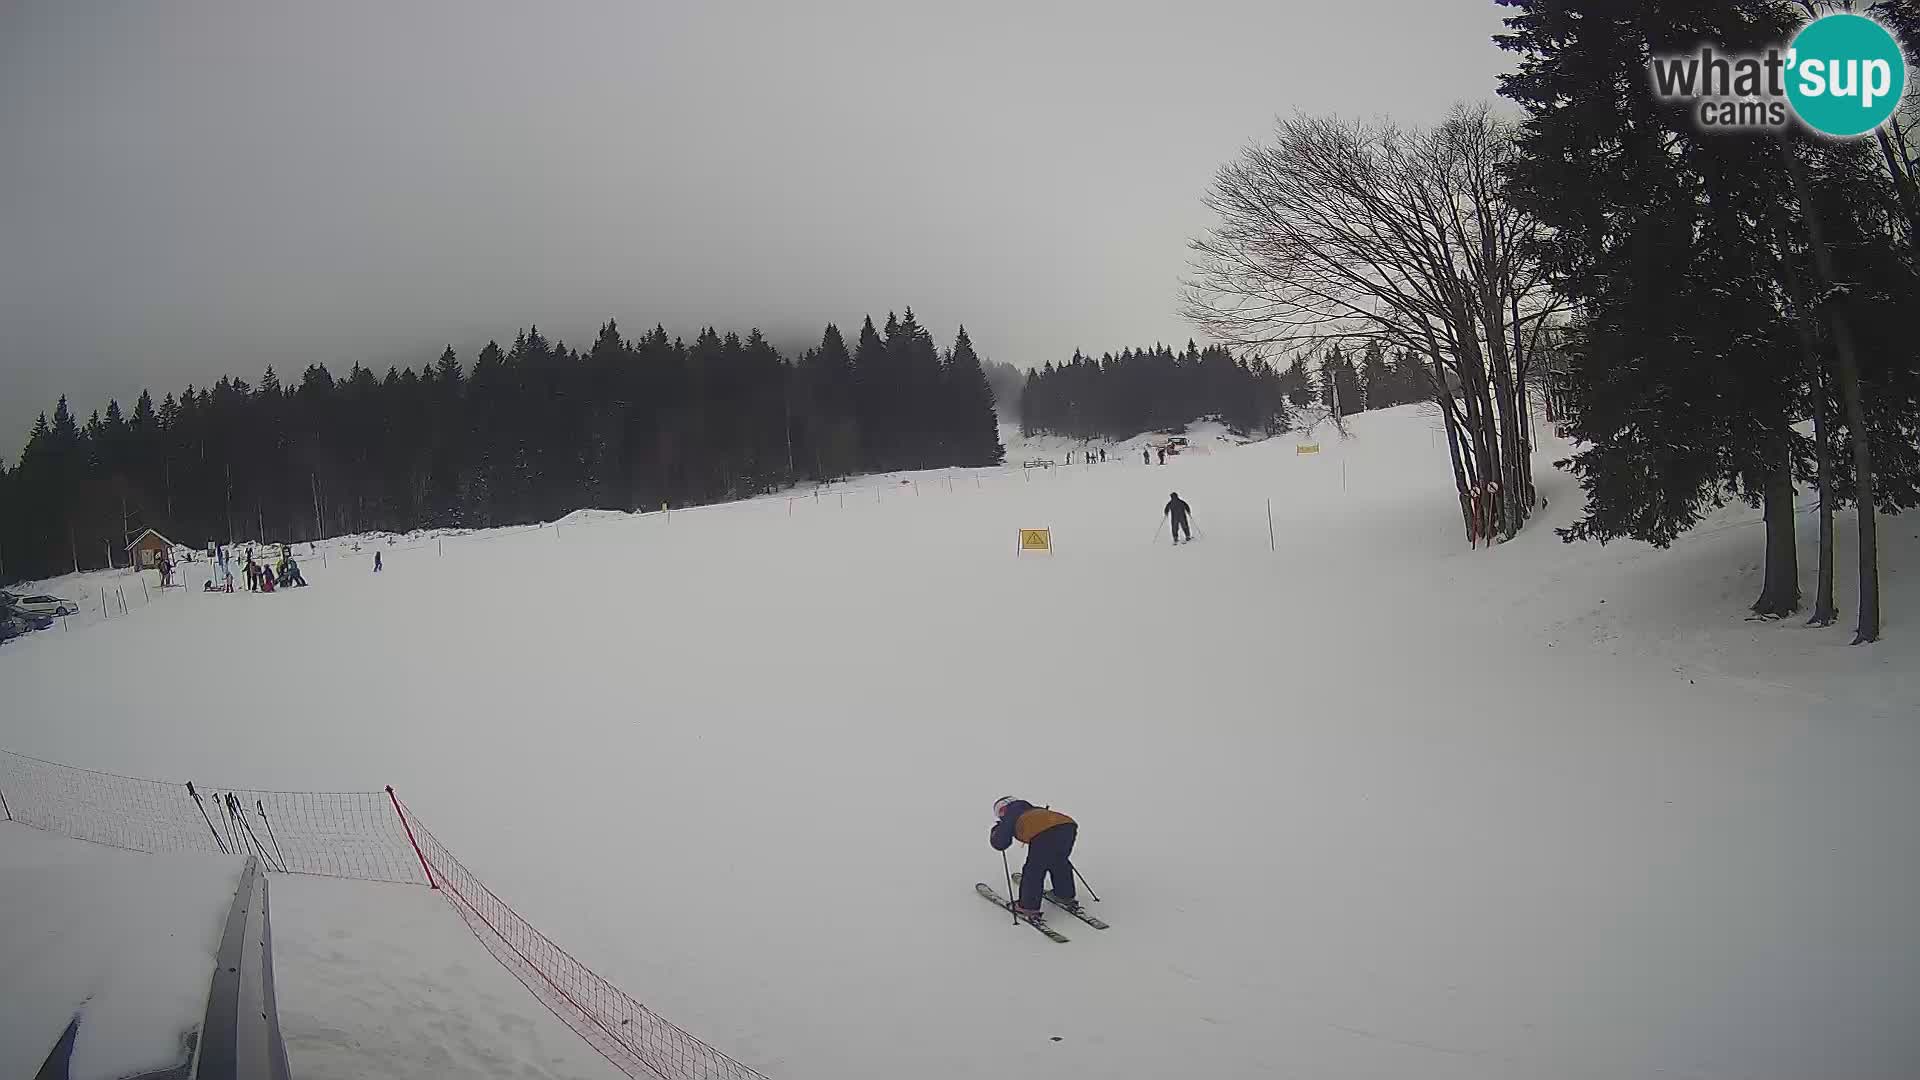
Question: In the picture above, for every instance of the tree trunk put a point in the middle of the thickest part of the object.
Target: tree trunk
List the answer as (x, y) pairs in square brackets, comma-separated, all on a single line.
[(1510, 424), (1482, 436), (1522, 366), (1824, 611), (1848, 370), (1780, 590)]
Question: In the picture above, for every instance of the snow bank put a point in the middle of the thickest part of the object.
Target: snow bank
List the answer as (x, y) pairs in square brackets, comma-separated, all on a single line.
[(125, 941), (384, 980)]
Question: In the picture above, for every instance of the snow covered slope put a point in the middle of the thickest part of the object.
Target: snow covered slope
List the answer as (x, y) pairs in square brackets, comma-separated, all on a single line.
[(1361, 803)]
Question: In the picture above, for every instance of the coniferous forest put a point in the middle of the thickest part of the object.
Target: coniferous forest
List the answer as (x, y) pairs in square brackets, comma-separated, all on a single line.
[(1745, 304), (1116, 397), (523, 433)]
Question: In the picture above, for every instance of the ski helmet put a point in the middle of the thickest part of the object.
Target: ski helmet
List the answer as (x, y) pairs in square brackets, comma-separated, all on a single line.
[(1000, 805)]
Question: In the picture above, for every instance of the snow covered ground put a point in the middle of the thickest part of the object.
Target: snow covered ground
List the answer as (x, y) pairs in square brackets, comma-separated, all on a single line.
[(124, 940), (383, 980), (1363, 803)]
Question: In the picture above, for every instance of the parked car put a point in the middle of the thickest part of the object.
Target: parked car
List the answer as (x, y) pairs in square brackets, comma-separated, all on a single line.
[(18, 621), (14, 622), (50, 606)]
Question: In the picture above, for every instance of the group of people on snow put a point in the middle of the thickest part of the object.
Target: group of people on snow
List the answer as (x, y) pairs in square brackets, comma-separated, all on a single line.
[(261, 576)]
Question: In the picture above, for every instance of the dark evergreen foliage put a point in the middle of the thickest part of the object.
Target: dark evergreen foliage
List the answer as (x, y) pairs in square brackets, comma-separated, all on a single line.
[(1340, 383), (531, 432), (1115, 397), (1385, 383), (1684, 250), (1684, 376), (1297, 384)]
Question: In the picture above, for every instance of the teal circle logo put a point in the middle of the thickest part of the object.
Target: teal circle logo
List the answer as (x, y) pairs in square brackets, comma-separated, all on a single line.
[(1846, 75)]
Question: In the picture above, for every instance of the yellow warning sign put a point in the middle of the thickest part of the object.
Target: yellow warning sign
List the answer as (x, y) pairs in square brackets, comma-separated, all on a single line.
[(1307, 448), (1036, 540)]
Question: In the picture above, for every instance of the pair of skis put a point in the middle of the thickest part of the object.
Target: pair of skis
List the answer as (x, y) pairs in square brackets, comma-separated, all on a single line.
[(1038, 922)]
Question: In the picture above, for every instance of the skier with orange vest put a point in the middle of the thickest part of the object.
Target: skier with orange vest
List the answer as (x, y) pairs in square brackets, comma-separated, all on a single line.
[(1049, 836)]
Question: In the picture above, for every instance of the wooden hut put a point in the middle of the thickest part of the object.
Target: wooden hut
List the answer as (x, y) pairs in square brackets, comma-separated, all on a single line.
[(146, 549)]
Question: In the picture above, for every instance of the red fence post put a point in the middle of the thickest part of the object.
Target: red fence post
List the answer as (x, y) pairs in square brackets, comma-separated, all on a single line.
[(410, 839)]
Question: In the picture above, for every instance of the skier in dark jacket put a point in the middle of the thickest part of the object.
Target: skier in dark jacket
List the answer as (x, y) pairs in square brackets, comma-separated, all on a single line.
[(1049, 836), (1178, 509)]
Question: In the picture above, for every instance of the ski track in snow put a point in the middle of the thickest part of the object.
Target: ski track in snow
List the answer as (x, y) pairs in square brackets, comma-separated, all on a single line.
[(1368, 805)]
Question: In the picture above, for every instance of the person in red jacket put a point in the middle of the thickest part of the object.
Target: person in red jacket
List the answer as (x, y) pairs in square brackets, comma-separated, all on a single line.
[(1049, 836)]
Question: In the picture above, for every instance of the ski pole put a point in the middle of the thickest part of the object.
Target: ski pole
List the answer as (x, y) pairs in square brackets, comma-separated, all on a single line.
[(205, 818), (1156, 528), (239, 811), (226, 824), (258, 805), (1084, 881), (1012, 900), (233, 816)]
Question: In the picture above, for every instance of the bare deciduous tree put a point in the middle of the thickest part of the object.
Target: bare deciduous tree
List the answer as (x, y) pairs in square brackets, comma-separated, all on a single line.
[(1354, 232)]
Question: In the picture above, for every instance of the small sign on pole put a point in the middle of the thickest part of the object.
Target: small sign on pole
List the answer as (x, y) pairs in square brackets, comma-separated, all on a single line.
[(1035, 540)]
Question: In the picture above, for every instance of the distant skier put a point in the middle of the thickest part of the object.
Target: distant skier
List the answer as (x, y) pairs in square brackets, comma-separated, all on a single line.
[(1145, 458), (1180, 512), (1163, 455), (290, 574), (1049, 836), (1103, 455), (376, 562)]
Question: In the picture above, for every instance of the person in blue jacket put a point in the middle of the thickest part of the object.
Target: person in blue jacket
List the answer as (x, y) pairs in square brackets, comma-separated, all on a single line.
[(1049, 836)]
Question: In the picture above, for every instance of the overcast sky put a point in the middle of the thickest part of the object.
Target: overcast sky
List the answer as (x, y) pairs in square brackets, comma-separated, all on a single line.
[(189, 189)]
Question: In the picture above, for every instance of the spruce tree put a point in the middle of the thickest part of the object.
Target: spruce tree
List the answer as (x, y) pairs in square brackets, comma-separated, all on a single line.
[(875, 396), (973, 427), (1297, 383), (832, 419), (1340, 383), (1687, 384), (1377, 385)]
